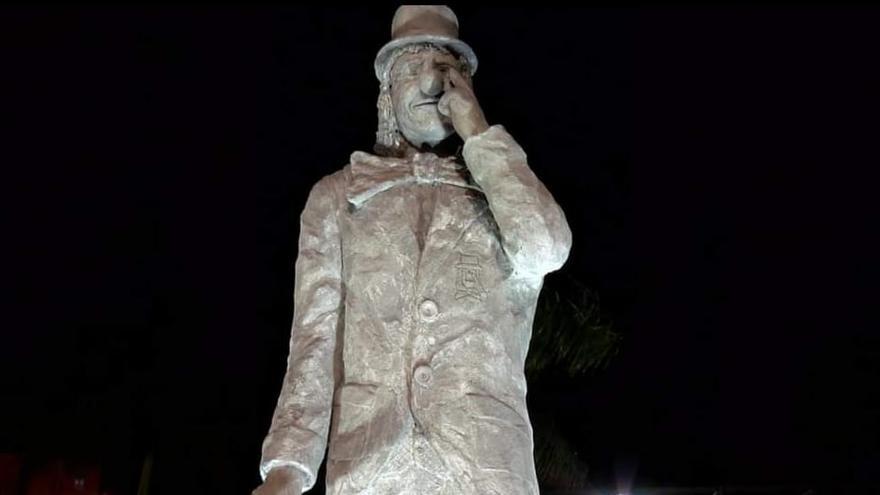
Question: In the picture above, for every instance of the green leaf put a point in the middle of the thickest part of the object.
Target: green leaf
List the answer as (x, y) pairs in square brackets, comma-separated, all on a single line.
[(569, 333)]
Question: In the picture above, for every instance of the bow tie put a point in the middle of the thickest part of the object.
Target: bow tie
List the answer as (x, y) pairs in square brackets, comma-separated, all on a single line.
[(371, 174)]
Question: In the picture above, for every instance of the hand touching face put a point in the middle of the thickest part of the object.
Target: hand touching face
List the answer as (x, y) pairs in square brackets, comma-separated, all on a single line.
[(417, 84), (460, 105)]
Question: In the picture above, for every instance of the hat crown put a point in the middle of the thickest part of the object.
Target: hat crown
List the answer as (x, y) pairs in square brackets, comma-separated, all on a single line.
[(415, 20), (416, 24)]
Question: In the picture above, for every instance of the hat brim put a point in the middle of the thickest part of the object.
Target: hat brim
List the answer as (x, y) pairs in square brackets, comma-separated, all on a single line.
[(384, 61)]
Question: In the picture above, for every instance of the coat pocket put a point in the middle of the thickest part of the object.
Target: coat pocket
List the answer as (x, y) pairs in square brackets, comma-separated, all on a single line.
[(353, 412), (500, 436), (366, 421)]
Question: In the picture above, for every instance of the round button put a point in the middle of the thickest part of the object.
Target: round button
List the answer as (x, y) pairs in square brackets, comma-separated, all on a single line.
[(424, 375), (428, 310)]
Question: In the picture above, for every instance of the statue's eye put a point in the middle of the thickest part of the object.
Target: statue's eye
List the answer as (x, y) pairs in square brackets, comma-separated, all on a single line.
[(407, 69)]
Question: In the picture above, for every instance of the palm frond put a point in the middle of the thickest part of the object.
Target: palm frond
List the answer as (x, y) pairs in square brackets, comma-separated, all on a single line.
[(558, 464), (569, 332)]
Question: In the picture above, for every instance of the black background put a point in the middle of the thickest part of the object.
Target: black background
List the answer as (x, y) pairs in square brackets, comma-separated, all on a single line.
[(716, 166)]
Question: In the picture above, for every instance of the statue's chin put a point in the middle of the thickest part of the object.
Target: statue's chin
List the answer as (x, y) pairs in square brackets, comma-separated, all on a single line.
[(431, 136)]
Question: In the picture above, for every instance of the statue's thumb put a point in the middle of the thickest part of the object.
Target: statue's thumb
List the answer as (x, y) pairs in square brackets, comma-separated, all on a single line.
[(443, 104)]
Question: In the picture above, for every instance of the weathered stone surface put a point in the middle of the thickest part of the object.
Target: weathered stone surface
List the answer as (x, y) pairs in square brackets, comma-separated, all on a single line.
[(416, 283)]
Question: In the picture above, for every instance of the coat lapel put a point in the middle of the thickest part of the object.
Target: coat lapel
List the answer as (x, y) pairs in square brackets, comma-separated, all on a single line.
[(455, 213)]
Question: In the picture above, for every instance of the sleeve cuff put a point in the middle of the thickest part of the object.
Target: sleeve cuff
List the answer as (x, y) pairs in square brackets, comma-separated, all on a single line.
[(307, 478), (492, 131)]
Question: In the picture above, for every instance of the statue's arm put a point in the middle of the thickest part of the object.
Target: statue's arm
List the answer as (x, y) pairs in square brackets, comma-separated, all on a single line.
[(534, 233), (297, 438)]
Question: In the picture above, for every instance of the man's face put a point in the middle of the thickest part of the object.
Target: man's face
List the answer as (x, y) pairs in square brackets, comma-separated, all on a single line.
[(417, 81)]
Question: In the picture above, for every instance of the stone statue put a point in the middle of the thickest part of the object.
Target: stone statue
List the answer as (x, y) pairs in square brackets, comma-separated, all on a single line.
[(416, 284)]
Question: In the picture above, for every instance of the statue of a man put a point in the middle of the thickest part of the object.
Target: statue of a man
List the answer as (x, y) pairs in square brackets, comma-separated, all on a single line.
[(416, 284)]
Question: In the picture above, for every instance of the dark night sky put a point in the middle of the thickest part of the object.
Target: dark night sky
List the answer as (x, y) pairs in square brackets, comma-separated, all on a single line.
[(715, 166)]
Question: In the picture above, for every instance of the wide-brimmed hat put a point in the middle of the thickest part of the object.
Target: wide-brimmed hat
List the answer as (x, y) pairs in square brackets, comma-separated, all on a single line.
[(412, 24)]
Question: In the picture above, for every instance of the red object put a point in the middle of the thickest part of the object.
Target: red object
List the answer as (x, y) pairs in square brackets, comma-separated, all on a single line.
[(61, 478), (10, 473)]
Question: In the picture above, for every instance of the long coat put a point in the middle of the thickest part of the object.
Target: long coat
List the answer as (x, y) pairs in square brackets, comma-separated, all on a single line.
[(415, 291)]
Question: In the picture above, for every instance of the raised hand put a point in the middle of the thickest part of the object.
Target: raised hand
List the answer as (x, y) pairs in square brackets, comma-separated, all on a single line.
[(460, 105)]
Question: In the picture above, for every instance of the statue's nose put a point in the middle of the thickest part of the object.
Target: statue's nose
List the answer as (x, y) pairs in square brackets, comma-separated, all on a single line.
[(431, 81)]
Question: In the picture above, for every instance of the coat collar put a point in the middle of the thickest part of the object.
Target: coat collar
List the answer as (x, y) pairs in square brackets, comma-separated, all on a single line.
[(372, 174)]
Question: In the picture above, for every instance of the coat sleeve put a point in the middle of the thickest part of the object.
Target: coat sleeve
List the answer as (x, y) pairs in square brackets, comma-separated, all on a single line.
[(534, 233), (300, 424)]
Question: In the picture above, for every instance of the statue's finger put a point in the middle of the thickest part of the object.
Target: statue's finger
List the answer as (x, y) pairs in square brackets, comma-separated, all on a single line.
[(456, 78), (443, 104), (447, 83)]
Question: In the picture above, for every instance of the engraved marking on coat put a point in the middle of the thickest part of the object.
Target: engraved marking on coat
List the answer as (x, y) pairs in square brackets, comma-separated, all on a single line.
[(468, 282)]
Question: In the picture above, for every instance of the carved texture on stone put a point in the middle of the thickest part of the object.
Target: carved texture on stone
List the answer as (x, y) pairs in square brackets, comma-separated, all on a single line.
[(416, 286)]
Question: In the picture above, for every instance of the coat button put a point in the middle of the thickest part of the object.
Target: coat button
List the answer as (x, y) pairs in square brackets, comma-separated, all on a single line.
[(424, 375), (428, 310)]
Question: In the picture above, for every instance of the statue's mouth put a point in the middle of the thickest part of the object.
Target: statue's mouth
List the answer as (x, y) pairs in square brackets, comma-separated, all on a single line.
[(426, 102)]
